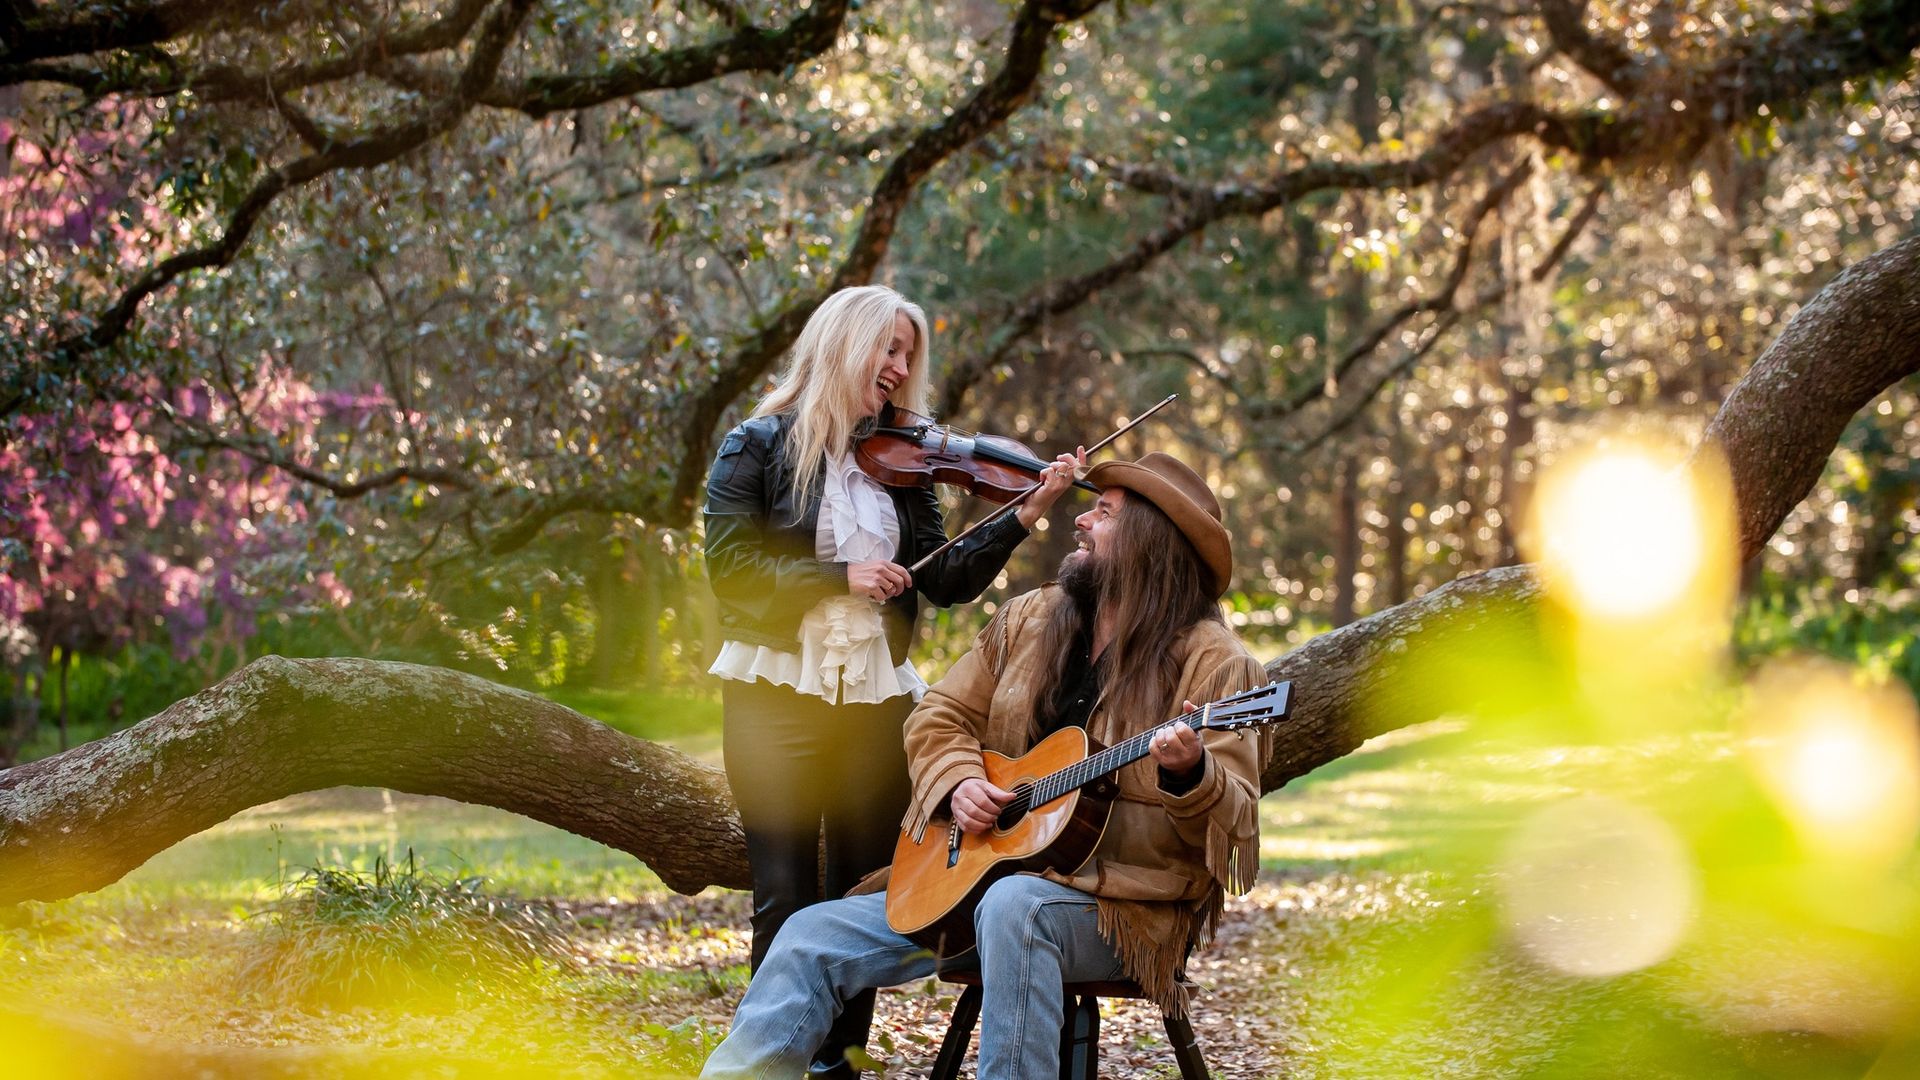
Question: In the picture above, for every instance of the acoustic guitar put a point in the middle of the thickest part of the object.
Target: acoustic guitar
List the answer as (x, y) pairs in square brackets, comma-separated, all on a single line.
[(1063, 789)]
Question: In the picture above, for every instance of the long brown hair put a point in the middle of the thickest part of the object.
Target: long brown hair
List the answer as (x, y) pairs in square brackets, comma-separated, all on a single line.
[(1155, 585)]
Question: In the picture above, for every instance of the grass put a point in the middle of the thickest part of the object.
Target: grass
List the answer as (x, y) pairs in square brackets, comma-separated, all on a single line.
[(395, 932), (688, 722)]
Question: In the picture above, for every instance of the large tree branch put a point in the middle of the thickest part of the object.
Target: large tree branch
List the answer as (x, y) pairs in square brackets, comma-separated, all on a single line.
[(748, 48), (226, 82), (1607, 60), (96, 27), (82, 819), (1860, 335)]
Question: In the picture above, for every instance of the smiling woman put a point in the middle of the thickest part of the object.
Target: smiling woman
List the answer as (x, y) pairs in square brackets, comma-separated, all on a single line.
[(808, 558)]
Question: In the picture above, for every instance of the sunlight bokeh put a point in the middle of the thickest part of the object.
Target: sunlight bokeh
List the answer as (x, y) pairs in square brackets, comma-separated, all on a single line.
[(1633, 534), (1840, 758), (1633, 530), (1597, 886), (1622, 532)]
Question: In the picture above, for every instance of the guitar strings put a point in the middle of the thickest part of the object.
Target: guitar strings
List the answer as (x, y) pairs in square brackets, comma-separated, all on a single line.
[(1079, 773)]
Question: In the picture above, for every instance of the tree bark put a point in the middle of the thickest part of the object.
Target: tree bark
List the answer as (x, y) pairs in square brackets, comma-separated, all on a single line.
[(82, 819)]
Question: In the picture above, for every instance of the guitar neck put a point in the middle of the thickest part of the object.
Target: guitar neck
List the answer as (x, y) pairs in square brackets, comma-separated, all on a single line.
[(1112, 759)]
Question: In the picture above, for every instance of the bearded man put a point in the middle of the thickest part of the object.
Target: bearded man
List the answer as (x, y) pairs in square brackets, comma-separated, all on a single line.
[(1129, 635)]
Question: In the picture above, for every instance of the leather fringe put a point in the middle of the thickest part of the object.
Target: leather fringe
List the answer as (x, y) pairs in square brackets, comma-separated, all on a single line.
[(1153, 940), (1233, 859)]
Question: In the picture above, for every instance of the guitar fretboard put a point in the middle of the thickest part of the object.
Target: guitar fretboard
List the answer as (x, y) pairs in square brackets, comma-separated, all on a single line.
[(1093, 767)]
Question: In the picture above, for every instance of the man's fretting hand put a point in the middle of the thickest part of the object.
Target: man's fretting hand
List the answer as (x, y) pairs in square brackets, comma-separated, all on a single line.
[(1177, 748), (976, 804)]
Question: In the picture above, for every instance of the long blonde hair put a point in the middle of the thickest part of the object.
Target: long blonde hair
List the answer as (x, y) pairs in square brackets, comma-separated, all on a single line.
[(826, 376)]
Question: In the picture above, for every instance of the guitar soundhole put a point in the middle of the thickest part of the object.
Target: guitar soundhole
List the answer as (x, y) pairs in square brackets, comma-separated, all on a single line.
[(1015, 810)]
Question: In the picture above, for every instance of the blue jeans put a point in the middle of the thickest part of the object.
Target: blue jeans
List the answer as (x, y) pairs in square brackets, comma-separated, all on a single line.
[(1034, 936)]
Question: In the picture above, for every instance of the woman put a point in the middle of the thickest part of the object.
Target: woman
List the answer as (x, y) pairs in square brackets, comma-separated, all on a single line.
[(807, 556)]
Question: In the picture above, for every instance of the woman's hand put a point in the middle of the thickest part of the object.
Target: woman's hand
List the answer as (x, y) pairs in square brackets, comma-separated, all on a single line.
[(1054, 479), (976, 805), (877, 581)]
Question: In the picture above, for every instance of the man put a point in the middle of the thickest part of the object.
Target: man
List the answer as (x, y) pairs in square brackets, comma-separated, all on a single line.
[(1129, 636)]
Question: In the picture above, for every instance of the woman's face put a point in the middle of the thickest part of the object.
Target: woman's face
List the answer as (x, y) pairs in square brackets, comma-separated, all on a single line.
[(889, 364)]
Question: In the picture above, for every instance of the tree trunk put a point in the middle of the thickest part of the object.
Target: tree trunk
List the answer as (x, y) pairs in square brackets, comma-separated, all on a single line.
[(82, 819)]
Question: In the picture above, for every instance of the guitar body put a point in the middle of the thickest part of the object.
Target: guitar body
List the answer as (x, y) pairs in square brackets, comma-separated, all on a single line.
[(935, 885)]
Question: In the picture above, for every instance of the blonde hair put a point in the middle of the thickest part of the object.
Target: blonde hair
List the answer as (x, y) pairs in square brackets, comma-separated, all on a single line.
[(826, 376)]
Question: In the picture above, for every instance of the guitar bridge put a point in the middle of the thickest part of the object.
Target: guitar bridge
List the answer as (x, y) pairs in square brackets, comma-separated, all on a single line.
[(953, 845)]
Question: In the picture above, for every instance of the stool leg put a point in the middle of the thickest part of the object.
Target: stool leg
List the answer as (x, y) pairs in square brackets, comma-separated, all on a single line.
[(1186, 1051), (953, 1048), (1080, 1039)]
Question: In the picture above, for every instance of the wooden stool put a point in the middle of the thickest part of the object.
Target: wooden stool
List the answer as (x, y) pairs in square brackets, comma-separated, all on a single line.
[(1079, 1035)]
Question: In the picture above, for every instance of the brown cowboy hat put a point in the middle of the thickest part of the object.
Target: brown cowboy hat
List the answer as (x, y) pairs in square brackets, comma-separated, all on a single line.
[(1167, 482)]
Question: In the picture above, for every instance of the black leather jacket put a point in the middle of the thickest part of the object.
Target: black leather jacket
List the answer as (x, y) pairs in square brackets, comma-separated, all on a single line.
[(761, 560)]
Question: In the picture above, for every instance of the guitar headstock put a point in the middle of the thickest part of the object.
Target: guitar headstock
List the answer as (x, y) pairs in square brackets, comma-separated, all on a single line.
[(1249, 708)]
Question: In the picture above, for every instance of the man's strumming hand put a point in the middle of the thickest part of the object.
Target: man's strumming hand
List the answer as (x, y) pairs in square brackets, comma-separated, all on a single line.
[(976, 804)]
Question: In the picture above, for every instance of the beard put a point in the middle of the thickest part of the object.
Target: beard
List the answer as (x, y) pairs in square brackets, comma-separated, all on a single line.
[(1081, 578)]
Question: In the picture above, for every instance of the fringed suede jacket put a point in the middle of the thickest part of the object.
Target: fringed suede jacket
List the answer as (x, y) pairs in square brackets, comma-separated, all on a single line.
[(1162, 867)]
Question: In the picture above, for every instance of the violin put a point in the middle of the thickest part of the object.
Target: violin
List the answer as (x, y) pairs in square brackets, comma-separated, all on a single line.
[(905, 449), (910, 449)]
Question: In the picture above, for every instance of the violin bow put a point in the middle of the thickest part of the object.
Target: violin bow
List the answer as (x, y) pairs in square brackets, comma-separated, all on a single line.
[(1014, 503)]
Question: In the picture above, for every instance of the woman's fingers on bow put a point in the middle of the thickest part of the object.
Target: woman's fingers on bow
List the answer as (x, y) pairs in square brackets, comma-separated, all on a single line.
[(877, 580), (900, 578), (1057, 477)]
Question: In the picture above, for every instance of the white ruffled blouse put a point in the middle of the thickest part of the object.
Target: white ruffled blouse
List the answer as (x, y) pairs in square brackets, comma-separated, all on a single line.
[(843, 653)]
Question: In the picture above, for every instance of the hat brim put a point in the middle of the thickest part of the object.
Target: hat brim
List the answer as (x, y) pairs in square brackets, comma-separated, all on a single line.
[(1208, 536)]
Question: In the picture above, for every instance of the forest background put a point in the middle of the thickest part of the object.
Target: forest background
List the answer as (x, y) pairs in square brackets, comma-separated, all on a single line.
[(404, 332)]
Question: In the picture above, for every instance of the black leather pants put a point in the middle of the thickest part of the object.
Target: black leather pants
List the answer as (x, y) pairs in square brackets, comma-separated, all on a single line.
[(811, 779)]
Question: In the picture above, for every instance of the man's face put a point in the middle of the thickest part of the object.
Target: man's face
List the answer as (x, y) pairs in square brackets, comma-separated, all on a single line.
[(1094, 528)]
